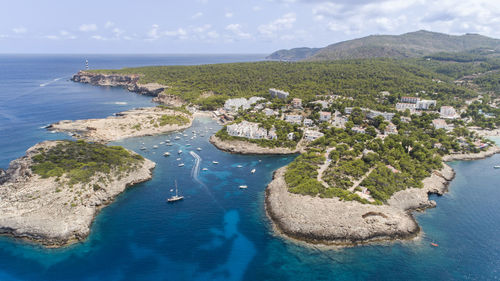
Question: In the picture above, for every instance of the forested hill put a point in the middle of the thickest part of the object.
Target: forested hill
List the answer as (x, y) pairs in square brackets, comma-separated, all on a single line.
[(293, 54), (413, 44)]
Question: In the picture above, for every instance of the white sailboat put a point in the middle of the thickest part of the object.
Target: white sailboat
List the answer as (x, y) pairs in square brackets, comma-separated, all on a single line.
[(176, 197)]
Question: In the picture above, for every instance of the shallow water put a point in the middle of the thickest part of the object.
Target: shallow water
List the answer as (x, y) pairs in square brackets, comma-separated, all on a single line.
[(218, 232)]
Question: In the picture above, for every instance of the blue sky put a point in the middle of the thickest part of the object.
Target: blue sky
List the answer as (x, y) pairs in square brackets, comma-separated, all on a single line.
[(223, 26)]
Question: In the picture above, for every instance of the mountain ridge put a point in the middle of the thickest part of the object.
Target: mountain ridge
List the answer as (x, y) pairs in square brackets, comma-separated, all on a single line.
[(413, 44)]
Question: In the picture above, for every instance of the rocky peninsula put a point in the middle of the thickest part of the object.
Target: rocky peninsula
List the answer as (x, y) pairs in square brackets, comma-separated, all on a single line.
[(131, 123), (244, 147), (128, 81), (334, 222), (472, 156), (42, 202)]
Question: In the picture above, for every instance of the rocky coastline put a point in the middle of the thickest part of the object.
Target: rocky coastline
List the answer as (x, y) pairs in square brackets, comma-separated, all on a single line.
[(330, 221), (492, 150), (131, 123), (243, 147), (37, 209), (128, 81)]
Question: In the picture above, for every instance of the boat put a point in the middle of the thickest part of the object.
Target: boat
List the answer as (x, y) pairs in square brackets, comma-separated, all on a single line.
[(169, 144), (215, 162), (252, 171), (199, 148), (204, 169), (175, 197), (155, 146), (167, 140), (162, 142), (181, 165), (166, 154), (239, 166), (188, 144), (177, 138), (178, 159), (185, 135), (179, 152), (143, 148), (243, 187), (434, 244), (496, 167)]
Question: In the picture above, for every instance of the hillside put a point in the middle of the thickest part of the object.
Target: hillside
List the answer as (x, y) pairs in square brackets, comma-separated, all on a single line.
[(413, 44), (293, 54)]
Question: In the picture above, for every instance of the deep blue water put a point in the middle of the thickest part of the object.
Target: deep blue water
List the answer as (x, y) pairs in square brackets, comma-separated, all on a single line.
[(218, 232)]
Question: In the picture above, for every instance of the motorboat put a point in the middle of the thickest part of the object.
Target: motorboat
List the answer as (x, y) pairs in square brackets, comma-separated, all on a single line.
[(204, 169), (215, 162), (253, 171), (166, 154), (179, 152), (239, 166), (181, 165), (243, 187), (496, 167), (155, 146), (199, 148)]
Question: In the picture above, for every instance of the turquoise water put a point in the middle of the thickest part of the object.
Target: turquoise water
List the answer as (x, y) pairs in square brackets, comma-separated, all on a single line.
[(218, 232)]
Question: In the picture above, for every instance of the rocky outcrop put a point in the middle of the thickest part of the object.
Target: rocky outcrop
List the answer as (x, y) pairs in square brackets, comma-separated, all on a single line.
[(243, 147), (50, 212), (334, 222), (473, 156), (131, 123), (128, 81), (169, 100)]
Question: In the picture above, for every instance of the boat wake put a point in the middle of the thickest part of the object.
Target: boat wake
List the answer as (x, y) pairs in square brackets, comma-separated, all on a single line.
[(50, 82), (195, 172)]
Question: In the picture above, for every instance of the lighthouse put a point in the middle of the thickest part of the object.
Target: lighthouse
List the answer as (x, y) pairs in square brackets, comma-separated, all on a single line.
[(86, 64)]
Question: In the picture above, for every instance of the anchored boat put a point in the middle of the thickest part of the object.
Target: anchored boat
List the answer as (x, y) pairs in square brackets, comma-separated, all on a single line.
[(176, 197)]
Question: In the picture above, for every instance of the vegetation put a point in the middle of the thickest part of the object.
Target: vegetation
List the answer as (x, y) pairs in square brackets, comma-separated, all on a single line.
[(172, 120), (362, 80), (79, 161)]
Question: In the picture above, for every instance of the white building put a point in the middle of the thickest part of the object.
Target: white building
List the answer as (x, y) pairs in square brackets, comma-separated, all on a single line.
[(401, 106), (290, 136), (308, 122), (425, 104), (440, 124), (294, 119), (235, 104), (448, 112), (250, 130), (297, 103), (325, 116), (311, 135), (275, 93), (268, 111)]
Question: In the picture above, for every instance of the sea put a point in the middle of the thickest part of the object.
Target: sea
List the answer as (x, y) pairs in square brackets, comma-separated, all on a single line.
[(218, 232)]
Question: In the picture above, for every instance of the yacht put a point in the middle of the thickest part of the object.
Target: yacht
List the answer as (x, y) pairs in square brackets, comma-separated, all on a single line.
[(496, 167), (155, 146), (179, 152), (239, 166), (169, 144), (178, 159), (253, 171), (204, 169), (188, 144), (199, 148), (177, 138), (215, 162), (143, 148), (162, 142), (166, 154), (175, 197), (243, 187), (181, 165)]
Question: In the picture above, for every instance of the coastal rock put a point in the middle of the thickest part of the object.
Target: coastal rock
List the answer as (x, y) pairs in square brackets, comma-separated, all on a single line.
[(37, 209), (473, 156), (170, 100), (131, 123), (331, 221), (128, 81), (243, 147)]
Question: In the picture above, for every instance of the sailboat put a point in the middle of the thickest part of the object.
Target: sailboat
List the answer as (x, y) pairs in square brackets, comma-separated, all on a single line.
[(175, 197)]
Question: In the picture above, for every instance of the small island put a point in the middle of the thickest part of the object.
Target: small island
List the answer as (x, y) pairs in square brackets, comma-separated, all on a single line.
[(53, 193), (131, 123)]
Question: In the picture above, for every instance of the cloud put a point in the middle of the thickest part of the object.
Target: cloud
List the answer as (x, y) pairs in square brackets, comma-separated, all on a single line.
[(236, 29), (109, 24), (88, 27), (98, 37), (203, 28), (52, 37), (153, 33), (228, 15), (283, 23), (197, 15), (256, 8), (19, 30), (66, 34), (179, 33)]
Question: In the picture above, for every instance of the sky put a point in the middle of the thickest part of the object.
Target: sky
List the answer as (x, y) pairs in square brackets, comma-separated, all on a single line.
[(226, 26)]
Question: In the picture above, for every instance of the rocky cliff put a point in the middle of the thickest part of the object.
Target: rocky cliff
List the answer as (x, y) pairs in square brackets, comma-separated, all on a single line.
[(128, 81), (334, 222), (244, 147), (45, 210)]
